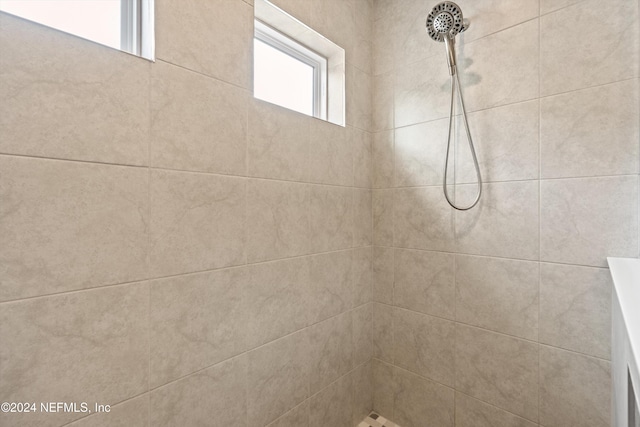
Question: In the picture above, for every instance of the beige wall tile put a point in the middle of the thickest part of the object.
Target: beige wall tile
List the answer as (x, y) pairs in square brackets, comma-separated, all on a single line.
[(506, 140), (89, 346), (575, 308), (574, 56), (498, 369), (498, 294), (197, 123), (331, 349), (70, 225), (383, 388), (384, 31), (330, 154), (424, 282), (583, 221), (548, 6), (359, 99), (490, 16), (424, 345), (195, 321), (383, 159), (383, 206), (278, 378), (362, 274), (591, 132), (362, 379), (68, 98), (504, 223), (383, 332), (297, 417), (197, 222), (501, 68), (382, 108), (301, 9), (130, 413), (574, 389), (362, 157), (216, 396), (331, 285), (218, 42), (333, 405), (362, 217), (420, 152), (361, 54), (362, 319), (278, 142), (335, 20), (423, 219), (417, 399), (331, 218), (277, 219), (383, 274), (278, 297), (475, 413)]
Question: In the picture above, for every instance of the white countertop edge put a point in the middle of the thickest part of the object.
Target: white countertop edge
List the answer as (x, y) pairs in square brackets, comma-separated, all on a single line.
[(626, 281)]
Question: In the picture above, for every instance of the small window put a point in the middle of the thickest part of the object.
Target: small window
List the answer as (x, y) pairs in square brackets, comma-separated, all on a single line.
[(122, 24), (288, 74)]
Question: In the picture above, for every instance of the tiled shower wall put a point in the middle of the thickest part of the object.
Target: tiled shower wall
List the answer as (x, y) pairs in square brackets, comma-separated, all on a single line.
[(173, 247), (500, 316)]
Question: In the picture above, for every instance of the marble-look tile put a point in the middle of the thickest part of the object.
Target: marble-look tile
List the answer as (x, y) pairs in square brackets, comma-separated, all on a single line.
[(583, 221), (335, 19), (421, 91), (383, 161), (191, 131), (383, 388), (424, 282), (70, 225), (575, 308), (330, 285), (383, 217), (362, 318), (300, 9), (382, 114), (278, 142), (383, 332), (384, 52), (330, 154), (297, 417), (182, 312), (277, 219), (423, 219), (359, 99), (577, 50), (362, 142), (548, 6), (89, 346), (498, 294), (362, 380), (216, 397), (475, 413), (506, 142), (362, 217), (501, 68), (333, 405), (331, 218), (197, 222), (591, 132), (278, 378), (424, 345), (68, 98), (362, 276), (420, 151), (418, 400), (361, 54), (504, 223), (574, 389), (383, 274), (498, 369), (490, 16), (331, 350), (218, 42), (130, 413), (410, 40), (278, 298)]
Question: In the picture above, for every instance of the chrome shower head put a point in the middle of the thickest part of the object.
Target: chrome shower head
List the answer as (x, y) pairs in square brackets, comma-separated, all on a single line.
[(445, 18)]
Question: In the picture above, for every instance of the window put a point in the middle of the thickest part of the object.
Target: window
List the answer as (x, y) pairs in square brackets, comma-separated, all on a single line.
[(122, 24), (288, 74), (296, 67)]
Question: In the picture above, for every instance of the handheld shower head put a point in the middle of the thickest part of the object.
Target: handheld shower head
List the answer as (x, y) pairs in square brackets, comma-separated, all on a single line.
[(444, 22)]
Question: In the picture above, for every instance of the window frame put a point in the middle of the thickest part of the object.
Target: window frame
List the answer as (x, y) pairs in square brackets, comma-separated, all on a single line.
[(285, 44)]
